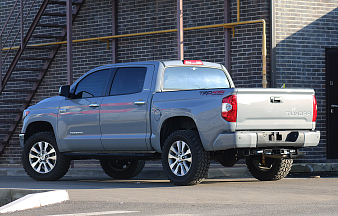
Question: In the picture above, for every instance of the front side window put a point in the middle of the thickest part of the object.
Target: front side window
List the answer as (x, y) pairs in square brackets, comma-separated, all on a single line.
[(128, 81), (92, 85), (189, 78)]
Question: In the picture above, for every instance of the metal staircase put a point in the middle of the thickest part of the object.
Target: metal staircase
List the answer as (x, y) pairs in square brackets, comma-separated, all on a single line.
[(29, 64)]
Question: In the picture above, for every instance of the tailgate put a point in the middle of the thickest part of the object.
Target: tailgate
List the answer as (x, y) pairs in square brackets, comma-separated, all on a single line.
[(274, 109)]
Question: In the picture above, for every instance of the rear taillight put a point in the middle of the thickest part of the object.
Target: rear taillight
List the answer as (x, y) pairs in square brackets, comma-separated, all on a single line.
[(314, 115), (229, 108)]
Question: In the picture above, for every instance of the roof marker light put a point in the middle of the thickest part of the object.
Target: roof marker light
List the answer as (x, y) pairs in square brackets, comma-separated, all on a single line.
[(192, 62)]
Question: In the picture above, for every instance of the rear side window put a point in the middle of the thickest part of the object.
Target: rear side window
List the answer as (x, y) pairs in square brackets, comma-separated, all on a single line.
[(128, 81), (92, 85), (188, 78)]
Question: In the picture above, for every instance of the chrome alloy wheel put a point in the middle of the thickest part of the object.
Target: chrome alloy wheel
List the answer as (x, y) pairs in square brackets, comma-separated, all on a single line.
[(42, 157), (179, 158)]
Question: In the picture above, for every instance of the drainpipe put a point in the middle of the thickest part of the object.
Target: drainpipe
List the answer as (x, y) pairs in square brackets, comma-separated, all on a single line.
[(227, 36), (69, 43), (21, 22), (180, 51), (114, 32), (273, 79)]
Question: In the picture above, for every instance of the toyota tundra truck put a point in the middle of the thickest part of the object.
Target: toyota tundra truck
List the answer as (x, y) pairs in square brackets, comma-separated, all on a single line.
[(184, 113)]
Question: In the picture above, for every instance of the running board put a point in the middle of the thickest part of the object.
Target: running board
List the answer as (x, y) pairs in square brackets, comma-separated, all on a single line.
[(140, 156)]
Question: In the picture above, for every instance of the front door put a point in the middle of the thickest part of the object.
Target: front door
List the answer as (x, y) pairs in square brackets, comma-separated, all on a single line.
[(124, 113), (332, 102), (79, 116)]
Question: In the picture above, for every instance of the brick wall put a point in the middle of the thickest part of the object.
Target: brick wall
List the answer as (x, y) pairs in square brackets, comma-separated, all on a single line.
[(303, 30), (135, 16)]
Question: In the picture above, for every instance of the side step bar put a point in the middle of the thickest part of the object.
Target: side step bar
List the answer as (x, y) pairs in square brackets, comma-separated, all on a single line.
[(141, 156)]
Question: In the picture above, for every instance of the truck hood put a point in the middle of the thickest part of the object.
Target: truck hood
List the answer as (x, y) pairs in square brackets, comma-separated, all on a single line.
[(48, 102)]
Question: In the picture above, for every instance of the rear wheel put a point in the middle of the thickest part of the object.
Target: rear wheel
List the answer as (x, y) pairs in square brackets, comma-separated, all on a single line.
[(268, 169), (183, 158), (41, 158), (122, 168)]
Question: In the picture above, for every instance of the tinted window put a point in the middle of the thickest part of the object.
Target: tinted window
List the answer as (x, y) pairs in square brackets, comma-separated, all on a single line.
[(92, 85), (128, 81), (194, 78)]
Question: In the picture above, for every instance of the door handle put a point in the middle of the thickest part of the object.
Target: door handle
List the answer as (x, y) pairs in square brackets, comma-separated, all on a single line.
[(334, 106), (63, 110), (140, 103), (94, 105)]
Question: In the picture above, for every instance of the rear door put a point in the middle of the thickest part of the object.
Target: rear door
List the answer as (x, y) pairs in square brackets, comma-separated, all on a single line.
[(125, 112), (79, 117)]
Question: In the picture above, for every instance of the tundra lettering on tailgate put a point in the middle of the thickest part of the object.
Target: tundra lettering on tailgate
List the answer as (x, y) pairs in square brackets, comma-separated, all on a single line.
[(300, 113)]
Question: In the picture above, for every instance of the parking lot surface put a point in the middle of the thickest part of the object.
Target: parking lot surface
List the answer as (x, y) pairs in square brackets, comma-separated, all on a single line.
[(295, 195)]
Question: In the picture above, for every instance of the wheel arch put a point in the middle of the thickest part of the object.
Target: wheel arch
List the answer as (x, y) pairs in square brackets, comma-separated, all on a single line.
[(176, 123), (38, 126)]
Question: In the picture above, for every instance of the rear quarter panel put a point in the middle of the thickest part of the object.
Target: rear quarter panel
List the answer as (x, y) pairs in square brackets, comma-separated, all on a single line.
[(204, 110)]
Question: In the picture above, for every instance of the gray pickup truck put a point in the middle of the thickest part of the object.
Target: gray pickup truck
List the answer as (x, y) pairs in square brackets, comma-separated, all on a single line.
[(184, 113)]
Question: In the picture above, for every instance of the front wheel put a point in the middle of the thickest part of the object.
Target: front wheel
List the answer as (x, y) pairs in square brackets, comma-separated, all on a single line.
[(183, 158), (41, 158), (268, 169), (122, 168)]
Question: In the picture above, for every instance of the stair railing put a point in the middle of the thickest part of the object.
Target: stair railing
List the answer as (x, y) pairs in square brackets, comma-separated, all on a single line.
[(2, 44)]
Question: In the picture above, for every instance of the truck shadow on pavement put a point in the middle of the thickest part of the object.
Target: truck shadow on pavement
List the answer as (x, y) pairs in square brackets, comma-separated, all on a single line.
[(104, 183)]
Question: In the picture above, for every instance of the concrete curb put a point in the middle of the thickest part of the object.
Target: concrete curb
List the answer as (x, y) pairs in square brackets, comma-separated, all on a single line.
[(146, 174), (8, 195), (35, 200), (156, 172), (314, 167)]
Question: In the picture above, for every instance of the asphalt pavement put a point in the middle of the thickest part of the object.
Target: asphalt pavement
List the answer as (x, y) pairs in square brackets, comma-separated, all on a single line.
[(88, 180), (294, 195)]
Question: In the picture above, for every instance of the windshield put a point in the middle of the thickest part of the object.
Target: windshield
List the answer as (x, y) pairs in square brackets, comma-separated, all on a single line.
[(188, 78)]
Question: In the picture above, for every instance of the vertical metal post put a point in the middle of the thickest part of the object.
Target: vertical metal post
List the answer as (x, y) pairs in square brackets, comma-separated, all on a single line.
[(114, 32), (69, 43), (0, 62), (227, 36), (70, 47), (273, 81), (21, 23), (238, 11), (180, 29)]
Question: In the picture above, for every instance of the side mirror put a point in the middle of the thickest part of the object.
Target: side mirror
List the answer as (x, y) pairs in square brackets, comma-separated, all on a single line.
[(64, 91)]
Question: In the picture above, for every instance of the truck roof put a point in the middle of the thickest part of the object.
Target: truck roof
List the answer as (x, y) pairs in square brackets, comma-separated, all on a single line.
[(165, 63)]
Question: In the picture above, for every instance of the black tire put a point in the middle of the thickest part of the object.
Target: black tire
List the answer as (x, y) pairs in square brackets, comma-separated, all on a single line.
[(197, 161), (122, 168), (41, 150), (274, 169)]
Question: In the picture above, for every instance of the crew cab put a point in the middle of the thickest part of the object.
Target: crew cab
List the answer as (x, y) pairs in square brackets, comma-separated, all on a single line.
[(184, 113)]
